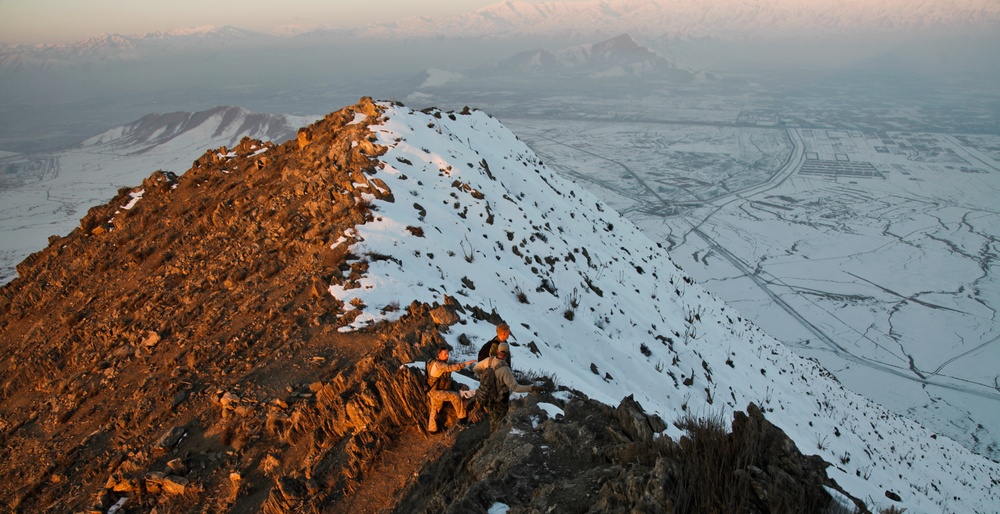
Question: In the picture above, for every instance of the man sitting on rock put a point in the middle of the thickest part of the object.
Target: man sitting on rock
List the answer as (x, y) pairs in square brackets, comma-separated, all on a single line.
[(442, 387)]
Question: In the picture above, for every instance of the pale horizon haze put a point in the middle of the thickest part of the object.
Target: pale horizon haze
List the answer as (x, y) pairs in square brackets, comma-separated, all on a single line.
[(70, 21)]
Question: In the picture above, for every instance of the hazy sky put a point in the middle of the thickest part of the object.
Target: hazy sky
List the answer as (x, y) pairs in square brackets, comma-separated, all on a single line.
[(68, 21)]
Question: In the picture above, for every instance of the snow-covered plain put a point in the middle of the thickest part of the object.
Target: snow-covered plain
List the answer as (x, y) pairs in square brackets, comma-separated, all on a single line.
[(601, 307)]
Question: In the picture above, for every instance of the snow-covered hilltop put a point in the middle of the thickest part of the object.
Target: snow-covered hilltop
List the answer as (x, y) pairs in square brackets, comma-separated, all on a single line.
[(594, 303)]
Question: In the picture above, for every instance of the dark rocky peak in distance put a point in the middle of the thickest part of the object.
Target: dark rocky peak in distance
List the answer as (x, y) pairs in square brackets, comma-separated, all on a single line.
[(531, 62), (618, 57), (619, 48)]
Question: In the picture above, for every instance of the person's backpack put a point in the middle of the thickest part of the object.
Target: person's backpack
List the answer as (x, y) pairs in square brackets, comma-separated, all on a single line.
[(489, 349), (491, 392), (486, 350), (442, 382), (431, 383)]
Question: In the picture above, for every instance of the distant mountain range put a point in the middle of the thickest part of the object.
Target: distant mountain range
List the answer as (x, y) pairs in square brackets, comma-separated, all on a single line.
[(596, 19), (693, 18), (117, 48)]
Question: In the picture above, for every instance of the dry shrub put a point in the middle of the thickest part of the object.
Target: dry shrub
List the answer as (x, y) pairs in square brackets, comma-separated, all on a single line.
[(709, 458), (713, 471), (187, 502), (235, 432)]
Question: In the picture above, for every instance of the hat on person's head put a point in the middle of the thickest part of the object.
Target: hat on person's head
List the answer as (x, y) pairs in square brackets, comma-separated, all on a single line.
[(503, 347)]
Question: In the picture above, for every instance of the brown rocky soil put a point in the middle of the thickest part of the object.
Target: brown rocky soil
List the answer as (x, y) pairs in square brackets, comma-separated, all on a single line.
[(202, 312), (184, 356)]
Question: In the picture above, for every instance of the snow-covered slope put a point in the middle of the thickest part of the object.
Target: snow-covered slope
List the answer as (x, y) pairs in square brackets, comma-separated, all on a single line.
[(92, 172), (594, 302)]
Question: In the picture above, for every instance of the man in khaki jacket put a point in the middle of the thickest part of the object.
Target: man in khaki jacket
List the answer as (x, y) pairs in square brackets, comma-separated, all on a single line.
[(442, 388)]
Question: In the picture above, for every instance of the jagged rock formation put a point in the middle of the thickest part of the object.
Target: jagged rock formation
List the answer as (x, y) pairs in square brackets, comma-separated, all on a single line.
[(594, 458), (182, 353)]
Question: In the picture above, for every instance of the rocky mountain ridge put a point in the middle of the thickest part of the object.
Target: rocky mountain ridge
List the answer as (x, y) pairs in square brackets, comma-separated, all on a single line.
[(235, 339), (191, 361)]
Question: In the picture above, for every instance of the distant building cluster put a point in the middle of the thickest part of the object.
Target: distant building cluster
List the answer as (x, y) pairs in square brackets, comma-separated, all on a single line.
[(839, 168)]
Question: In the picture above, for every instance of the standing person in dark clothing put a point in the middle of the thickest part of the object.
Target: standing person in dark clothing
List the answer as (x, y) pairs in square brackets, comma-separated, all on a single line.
[(496, 382), (490, 348)]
